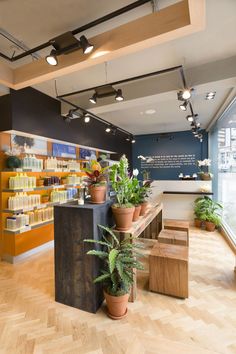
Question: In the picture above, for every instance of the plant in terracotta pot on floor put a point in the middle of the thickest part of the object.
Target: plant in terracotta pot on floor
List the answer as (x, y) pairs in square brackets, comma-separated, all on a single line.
[(121, 181), (119, 260), (212, 214), (97, 181), (204, 170), (200, 207)]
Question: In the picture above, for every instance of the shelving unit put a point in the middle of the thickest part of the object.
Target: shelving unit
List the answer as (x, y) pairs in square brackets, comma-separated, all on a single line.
[(29, 228)]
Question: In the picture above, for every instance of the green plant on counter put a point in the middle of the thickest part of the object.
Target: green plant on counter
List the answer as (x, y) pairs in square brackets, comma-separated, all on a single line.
[(122, 183), (119, 259), (136, 192), (145, 191)]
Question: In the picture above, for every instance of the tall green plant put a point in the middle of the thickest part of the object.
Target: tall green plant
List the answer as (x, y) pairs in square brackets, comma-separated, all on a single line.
[(122, 183), (119, 259), (208, 210)]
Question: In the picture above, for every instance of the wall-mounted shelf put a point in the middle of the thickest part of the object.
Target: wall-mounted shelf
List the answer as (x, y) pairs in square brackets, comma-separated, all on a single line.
[(59, 186), (187, 193), (58, 170), (28, 228), (40, 206)]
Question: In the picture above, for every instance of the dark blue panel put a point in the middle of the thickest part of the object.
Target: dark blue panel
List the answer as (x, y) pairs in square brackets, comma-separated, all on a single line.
[(170, 153)]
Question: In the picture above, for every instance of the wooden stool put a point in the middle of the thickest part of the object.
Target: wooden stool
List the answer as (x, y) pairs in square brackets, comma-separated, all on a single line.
[(173, 237), (168, 266), (179, 225)]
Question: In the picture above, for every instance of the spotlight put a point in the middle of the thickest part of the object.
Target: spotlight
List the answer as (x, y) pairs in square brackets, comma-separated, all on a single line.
[(85, 45), (51, 59), (93, 99), (127, 138), (86, 119), (133, 140), (210, 95), (67, 119), (186, 94), (119, 96), (108, 129), (183, 106), (190, 118)]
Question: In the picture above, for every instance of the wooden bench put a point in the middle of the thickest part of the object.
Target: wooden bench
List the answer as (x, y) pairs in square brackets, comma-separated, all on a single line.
[(168, 266), (173, 237), (179, 225)]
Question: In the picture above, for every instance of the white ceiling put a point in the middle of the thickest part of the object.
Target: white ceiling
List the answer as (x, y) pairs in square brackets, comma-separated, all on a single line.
[(35, 22)]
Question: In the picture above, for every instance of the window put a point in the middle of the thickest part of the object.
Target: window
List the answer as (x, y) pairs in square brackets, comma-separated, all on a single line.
[(223, 155)]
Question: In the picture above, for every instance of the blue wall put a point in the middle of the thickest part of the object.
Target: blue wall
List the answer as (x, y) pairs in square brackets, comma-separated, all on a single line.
[(171, 154)]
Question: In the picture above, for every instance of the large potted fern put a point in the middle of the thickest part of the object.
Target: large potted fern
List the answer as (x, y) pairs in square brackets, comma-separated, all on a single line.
[(119, 260), (121, 181)]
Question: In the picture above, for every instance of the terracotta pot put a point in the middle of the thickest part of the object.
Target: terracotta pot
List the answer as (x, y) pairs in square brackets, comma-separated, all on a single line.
[(123, 217), (198, 223), (205, 176), (98, 194), (137, 211), (117, 305), (210, 226), (143, 208)]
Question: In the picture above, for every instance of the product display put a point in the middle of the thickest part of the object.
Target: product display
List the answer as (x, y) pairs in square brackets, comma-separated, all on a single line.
[(52, 163), (17, 221), (31, 162), (23, 201), (73, 179), (21, 180)]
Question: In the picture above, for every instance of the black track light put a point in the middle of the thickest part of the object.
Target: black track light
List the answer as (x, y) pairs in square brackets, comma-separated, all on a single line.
[(51, 59), (127, 138), (190, 118), (93, 99), (85, 45), (183, 106), (86, 119), (184, 94), (133, 140), (108, 129), (119, 96)]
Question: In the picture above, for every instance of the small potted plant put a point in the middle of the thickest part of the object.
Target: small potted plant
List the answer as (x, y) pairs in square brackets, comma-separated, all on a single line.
[(209, 212), (13, 161), (212, 220), (96, 180), (45, 198), (200, 206), (121, 181), (204, 167), (145, 192), (119, 260)]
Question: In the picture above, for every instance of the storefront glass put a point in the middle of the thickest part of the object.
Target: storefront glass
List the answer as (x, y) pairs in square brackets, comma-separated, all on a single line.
[(223, 155)]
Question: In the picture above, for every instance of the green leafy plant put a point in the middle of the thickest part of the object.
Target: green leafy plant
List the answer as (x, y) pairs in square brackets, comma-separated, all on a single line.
[(122, 183), (136, 192), (207, 209), (96, 175), (119, 259), (145, 191)]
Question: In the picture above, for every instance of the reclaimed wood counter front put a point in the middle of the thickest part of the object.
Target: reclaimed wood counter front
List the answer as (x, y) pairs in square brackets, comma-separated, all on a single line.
[(74, 269)]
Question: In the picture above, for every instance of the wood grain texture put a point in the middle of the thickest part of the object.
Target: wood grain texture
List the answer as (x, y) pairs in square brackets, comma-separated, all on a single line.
[(173, 237), (31, 322), (169, 270), (179, 225)]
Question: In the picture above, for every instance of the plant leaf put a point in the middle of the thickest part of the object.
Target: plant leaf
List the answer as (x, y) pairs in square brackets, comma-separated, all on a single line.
[(101, 278), (112, 259), (99, 254)]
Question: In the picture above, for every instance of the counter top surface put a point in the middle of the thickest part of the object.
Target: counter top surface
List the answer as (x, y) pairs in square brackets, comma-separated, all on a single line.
[(86, 205)]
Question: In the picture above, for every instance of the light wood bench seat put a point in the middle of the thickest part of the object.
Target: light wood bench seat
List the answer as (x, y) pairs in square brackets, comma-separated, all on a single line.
[(179, 225), (174, 237), (168, 266)]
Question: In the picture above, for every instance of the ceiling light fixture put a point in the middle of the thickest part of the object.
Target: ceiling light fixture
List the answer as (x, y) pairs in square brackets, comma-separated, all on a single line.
[(93, 99), (66, 44), (119, 96), (190, 118), (85, 45), (108, 129), (184, 94), (51, 59), (86, 119), (210, 95), (183, 106), (133, 140), (150, 111)]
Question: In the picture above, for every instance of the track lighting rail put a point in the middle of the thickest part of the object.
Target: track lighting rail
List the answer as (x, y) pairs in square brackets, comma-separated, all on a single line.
[(80, 29)]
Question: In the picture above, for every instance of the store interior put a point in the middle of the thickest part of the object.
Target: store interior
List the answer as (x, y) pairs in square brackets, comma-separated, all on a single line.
[(117, 176)]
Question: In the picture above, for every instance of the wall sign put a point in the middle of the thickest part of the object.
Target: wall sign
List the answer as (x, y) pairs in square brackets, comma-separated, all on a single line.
[(63, 150), (165, 158), (28, 145)]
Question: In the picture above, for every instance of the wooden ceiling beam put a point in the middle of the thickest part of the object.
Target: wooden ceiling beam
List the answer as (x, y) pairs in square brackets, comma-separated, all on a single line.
[(175, 21)]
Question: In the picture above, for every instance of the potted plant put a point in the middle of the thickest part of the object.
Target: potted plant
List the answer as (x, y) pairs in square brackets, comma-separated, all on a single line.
[(145, 192), (45, 198), (96, 180), (121, 181), (204, 173), (119, 260), (209, 212), (200, 206), (212, 221), (13, 160)]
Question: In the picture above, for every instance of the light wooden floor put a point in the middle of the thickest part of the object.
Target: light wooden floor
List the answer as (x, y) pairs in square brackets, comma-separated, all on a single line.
[(32, 322)]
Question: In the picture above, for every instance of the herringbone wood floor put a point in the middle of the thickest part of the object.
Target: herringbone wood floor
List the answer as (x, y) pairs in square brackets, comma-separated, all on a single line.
[(32, 322)]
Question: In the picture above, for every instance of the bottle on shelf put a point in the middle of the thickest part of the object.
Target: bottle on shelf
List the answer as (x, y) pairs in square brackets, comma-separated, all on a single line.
[(21, 181), (23, 201)]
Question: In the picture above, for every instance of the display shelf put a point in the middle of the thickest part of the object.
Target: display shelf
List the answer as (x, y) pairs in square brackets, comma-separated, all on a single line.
[(28, 228), (187, 193), (57, 170), (58, 186), (40, 206)]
